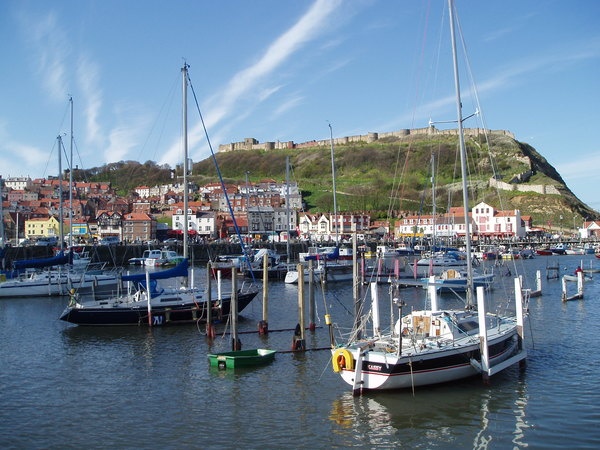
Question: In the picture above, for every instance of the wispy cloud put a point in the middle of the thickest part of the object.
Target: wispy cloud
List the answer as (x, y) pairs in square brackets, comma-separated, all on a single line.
[(516, 24), (18, 159), (582, 178), (88, 79), (287, 105), (576, 170), (517, 72), (60, 73), (51, 49), (249, 81), (126, 134)]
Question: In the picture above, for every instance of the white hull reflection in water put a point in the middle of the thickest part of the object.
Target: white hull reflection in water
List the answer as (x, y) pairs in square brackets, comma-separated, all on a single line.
[(64, 386), (440, 413)]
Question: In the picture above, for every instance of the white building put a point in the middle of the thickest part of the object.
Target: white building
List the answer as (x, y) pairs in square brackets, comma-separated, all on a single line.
[(484, 220), (201, 223), (18, 183), (589, 229), (489, 222), (325, 227)]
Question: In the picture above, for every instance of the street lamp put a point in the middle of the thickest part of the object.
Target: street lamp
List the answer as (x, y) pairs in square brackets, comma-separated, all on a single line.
[(561, 225), (247, 191)]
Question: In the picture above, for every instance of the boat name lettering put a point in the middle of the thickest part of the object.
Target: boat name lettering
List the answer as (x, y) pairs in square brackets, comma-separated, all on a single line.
[(374, 367)]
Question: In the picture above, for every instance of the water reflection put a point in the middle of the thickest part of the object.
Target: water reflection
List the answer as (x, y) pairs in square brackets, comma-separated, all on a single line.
[(462, 415)]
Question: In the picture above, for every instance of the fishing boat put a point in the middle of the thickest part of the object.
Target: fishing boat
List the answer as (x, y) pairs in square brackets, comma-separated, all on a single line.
[(162, 258), (241, 358), (435, 345), (559, 249), (141, 260), (147, 302)]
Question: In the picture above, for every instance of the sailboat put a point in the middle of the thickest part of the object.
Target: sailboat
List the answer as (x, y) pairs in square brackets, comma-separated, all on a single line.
[(60, 274), (329, 267), (431, 346), (144, 302), (147, 302), (440, 258)]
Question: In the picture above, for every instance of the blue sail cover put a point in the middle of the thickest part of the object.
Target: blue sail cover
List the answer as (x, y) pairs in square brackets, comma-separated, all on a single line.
[(38, 263), (180, 270)]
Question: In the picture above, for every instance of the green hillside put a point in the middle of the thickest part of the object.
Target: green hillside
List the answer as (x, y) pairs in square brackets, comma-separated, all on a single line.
[(395, 175), (390, 176)]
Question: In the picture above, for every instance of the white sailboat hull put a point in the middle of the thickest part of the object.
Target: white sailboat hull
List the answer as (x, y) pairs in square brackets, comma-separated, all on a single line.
[(380, 370), (331, 273), (58, 283)]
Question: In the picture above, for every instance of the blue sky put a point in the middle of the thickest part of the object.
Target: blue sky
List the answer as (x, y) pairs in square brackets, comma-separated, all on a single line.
[(282, 70)]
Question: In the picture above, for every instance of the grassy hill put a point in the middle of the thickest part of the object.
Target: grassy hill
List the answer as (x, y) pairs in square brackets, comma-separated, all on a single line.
[(394, 175), (391, 176)]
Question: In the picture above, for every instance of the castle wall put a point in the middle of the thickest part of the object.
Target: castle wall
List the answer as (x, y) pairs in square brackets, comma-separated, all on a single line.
[(253, 144), (538, 188)]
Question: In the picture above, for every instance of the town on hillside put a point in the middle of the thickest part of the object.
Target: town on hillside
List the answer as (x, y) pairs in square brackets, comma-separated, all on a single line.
[(264, 211)]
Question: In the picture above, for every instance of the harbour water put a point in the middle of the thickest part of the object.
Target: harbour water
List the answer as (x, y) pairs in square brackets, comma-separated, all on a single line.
[(63, 386)]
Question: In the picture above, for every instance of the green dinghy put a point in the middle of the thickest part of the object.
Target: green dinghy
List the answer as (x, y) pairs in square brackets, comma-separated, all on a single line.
[(241, 358)]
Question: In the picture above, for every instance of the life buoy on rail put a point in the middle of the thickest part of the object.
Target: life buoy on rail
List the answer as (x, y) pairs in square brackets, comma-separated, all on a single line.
[(342, 359)]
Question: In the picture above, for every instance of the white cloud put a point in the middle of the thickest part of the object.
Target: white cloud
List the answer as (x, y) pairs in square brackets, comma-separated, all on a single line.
[(88, 80), (575, 169), (287, 105), (51, 51), (126, 135), (247, 83)]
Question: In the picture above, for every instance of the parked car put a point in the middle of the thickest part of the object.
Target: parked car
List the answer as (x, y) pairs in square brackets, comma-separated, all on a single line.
[(46, 242), (109, 240), (171, 241)]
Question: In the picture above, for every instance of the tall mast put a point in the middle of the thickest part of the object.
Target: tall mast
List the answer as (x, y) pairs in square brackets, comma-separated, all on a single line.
[(60, 195), (184, 73), (287, 205), (71, 179), (463, 159), (334, 191), (2, 215), (433, 200)]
